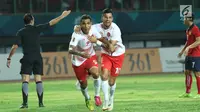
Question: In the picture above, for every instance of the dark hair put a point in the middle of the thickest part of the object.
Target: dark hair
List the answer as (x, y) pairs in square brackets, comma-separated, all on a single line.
[(85, 16), (107, 10), (28, 18)]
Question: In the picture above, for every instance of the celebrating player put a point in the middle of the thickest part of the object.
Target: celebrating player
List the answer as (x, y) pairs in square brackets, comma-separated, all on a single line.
[(111, 62), (84, 60), (192, 52), (31, 62), (112, 58)]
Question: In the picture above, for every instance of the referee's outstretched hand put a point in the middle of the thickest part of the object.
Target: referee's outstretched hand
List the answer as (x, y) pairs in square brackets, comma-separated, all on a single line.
[(65, 13)]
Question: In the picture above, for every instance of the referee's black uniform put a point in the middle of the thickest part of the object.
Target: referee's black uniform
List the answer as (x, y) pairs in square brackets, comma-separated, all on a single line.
[(28, 38)]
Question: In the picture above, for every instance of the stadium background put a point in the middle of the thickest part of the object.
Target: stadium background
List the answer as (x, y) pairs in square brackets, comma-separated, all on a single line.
[(151, 31)]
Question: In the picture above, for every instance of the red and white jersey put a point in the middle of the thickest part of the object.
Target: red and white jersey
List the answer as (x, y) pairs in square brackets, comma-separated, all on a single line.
[(112, 33), (82, 44)]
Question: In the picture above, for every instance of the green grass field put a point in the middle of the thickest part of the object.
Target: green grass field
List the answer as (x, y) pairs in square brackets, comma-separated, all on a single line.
[(141, 93)]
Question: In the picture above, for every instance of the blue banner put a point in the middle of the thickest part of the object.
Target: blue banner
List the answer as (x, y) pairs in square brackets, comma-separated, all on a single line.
[(129, 22)]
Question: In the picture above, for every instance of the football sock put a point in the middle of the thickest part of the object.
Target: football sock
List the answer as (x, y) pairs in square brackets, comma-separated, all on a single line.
[(85, 93), (198, 83), (105, 89), (97, 84), (25, 92), (39, 89), (188, 82), (112, 90)]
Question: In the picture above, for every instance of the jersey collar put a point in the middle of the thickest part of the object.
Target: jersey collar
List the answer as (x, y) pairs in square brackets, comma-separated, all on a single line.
[(191, 27)]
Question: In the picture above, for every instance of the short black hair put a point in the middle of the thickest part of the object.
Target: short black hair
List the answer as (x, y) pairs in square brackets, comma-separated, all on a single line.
[(85, 16), (28, 18), (107, 10)]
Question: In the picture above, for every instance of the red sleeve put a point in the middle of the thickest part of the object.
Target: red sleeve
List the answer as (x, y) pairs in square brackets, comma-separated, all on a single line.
[(196, 32)]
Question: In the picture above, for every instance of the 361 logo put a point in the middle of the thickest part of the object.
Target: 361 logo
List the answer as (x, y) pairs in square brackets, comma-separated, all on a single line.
[(185, 11)]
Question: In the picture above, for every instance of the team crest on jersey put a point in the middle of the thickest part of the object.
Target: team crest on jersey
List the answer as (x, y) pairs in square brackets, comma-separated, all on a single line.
[(108, 34)]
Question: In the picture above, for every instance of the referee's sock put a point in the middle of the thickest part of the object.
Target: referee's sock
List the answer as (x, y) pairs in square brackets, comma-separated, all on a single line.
[(25, 92), (39, 89)]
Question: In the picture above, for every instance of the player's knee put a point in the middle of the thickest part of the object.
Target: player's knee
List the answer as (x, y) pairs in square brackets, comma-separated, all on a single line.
[(95, 75), (83, 84), (38, 78), (111, 83), (197, 74), (187, 72), (104, 77), (25, 78)]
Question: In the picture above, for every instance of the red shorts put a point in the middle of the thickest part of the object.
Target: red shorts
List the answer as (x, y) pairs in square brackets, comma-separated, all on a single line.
[(82, 70), (112, 63)]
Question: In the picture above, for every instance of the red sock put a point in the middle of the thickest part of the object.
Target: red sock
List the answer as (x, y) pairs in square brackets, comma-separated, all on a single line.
[(188, 82), (198, 83)]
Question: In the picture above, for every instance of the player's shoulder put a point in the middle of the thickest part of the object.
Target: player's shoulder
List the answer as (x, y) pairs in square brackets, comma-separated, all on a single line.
[(96, 26), (76, 35), (115, 26), (20, 31), (195, 28)]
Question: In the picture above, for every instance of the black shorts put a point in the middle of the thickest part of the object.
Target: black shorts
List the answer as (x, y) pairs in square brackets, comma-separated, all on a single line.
[(31, 65), (192, 63)]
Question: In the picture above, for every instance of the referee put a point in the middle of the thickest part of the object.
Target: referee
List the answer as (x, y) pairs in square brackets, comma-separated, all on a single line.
[(32, 62)]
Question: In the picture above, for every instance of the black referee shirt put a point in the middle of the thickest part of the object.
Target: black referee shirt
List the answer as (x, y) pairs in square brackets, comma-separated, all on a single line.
[(28, 37)]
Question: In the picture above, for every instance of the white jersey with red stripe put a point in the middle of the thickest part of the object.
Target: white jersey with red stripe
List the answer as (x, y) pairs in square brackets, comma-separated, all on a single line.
[(82, 44), (112, 33)]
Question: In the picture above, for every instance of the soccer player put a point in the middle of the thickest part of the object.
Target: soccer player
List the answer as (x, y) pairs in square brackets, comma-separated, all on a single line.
[(84, 60), (111, 62), (32, 62), (192, 53), (112, 58)]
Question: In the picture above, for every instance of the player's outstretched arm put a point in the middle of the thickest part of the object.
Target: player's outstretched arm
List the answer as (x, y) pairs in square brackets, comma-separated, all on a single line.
[(13, 49), (56, 20), (74, 52)]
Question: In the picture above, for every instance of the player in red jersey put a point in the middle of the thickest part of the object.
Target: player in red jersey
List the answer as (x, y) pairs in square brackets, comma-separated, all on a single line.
[(192, 53)]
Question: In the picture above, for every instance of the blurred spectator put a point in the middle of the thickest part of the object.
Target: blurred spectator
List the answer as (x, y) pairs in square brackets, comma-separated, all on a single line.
[(54, 5), (69, 4), (99, 4), (144, 5), (84, 5), (172, 4), (128, 4), (117, 4), (21, 7), (38, 6)]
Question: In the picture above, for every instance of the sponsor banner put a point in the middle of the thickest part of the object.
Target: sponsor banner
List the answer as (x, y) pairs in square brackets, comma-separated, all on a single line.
[(58, 64), (170, 61), (11, 73), (141, 61)]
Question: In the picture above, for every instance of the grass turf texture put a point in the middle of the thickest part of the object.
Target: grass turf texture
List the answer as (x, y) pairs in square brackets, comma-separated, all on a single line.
[(141, 93)]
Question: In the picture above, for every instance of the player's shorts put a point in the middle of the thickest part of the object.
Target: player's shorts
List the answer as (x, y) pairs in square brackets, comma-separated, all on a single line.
[(192, 63), (82, 70), (112, 63), (31, 65)]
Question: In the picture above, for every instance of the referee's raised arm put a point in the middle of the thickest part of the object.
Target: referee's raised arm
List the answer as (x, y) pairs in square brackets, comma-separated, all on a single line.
[(56, 20), (43, 27)]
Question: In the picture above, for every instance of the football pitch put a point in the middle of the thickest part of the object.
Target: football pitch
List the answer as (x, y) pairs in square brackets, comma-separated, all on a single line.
[(140, 93)]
